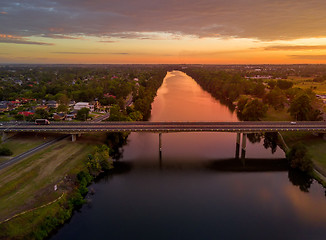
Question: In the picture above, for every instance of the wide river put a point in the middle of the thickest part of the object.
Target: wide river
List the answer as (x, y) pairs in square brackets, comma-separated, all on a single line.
[(197, 189)]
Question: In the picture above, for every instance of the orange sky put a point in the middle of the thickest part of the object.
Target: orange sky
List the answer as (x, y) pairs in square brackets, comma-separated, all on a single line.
[(154, 31)]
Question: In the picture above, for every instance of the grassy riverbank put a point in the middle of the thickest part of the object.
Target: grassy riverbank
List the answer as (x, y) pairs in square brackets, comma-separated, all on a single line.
[(315, 144), (30, 183), (21, 143)]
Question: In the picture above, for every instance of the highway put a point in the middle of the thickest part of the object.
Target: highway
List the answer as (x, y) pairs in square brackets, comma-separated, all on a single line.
[(86, 127)]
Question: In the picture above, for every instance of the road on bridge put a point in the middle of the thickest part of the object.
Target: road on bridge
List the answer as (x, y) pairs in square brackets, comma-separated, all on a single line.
[(245, 127)]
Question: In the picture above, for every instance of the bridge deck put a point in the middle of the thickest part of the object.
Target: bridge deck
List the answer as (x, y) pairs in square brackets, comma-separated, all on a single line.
[(85, 127)]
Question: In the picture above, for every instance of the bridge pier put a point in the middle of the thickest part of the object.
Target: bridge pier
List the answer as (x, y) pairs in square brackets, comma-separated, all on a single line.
[(237, 149), (73, 137), (160, 142), (5, 136), (244, 145)]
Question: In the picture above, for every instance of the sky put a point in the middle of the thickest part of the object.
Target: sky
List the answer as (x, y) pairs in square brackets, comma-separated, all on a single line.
[(163, 31)]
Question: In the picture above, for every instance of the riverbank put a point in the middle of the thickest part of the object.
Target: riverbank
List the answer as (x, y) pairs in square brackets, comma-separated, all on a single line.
[(50, 176), (230, 87)]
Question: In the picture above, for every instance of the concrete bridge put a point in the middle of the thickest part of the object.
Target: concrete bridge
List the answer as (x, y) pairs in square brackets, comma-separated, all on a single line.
[(243, 128)]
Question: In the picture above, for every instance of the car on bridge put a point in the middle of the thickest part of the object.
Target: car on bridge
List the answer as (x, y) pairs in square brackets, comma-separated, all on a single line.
[(42, 122)]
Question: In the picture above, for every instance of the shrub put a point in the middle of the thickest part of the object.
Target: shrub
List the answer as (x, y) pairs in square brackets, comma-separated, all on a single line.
[(4, 151)]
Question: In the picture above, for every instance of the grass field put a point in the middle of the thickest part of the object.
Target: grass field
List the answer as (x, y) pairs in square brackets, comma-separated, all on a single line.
[(23, 142), (277, 115), (306, 82), (316, 145), (30, 182)]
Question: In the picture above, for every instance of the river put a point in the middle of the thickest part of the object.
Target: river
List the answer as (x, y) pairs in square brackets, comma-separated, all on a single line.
[(197, 189)]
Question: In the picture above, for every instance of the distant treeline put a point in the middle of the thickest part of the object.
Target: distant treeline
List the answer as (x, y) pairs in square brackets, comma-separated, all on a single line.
[(253, 97), (226, 86)]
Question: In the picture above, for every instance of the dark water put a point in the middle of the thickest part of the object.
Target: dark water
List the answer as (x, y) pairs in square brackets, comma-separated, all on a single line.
[(197, 190)]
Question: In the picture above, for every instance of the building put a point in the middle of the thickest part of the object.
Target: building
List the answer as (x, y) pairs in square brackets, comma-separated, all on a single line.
[(59, 116), (52, 104), (4, 106), (81, 105)]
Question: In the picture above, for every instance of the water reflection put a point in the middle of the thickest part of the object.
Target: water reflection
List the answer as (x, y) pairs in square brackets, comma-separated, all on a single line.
[(300, 179), (196, 189)]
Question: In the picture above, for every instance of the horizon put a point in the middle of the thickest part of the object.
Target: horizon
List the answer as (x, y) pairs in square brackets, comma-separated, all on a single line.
[(252, 32)]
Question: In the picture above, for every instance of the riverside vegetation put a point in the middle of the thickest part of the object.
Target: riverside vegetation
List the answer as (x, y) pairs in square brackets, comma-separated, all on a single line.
[(269, 99), (27, 187), (30, 182)]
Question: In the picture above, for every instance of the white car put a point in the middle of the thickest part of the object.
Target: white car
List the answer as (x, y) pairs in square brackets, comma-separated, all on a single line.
[(293, 123)]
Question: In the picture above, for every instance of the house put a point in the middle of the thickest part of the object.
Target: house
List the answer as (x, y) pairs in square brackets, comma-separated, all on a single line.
[(59, 116), (70, 116), (4, 106), (81, 105), (26, 113), (71, 103), (52, 104)]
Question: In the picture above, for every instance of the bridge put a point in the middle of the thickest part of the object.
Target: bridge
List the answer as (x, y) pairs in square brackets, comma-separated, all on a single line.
[(77, 128)]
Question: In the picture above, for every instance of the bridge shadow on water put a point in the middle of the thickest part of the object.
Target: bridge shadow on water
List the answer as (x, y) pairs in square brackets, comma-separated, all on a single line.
[(218, 165), (230, 165)]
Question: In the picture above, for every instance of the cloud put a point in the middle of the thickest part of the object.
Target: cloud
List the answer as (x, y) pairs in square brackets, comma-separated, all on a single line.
[(59, 36), (258, 19), (4, 38), (107, 41), (308, 57), (294, 48), (90, 53), (122, 53)]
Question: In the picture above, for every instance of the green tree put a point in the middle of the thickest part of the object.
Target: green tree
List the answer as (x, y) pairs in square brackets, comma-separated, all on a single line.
[(254, 110), (41, 113), (62, 108), (275, 98), (284, 84), (4, 151), (82, 114), (136, 116), (271, 84), (302, 110)]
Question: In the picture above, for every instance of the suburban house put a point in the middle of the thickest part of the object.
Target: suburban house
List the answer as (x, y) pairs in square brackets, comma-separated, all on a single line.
[(52, 104), (59, 116), (3, 106), (81, 105)]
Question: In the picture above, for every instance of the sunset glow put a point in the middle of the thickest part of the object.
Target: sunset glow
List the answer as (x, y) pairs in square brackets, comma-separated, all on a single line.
[(236, 32)]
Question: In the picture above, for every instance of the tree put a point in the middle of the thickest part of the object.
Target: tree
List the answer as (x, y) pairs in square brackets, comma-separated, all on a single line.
[(136, 116), (284, 84), (242, 103), (254, 110), (62, 108), (259, 90), (275, 98), (271, 84), (82, 114), (302, 110), (4, 151), (61, 98), (41, 113)]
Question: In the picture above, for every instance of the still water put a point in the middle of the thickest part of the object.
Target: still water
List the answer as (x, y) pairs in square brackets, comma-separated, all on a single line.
[(196, 189)]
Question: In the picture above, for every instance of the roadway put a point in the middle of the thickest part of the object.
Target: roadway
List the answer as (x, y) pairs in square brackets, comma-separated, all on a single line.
[(86, 127), (30, 152)]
